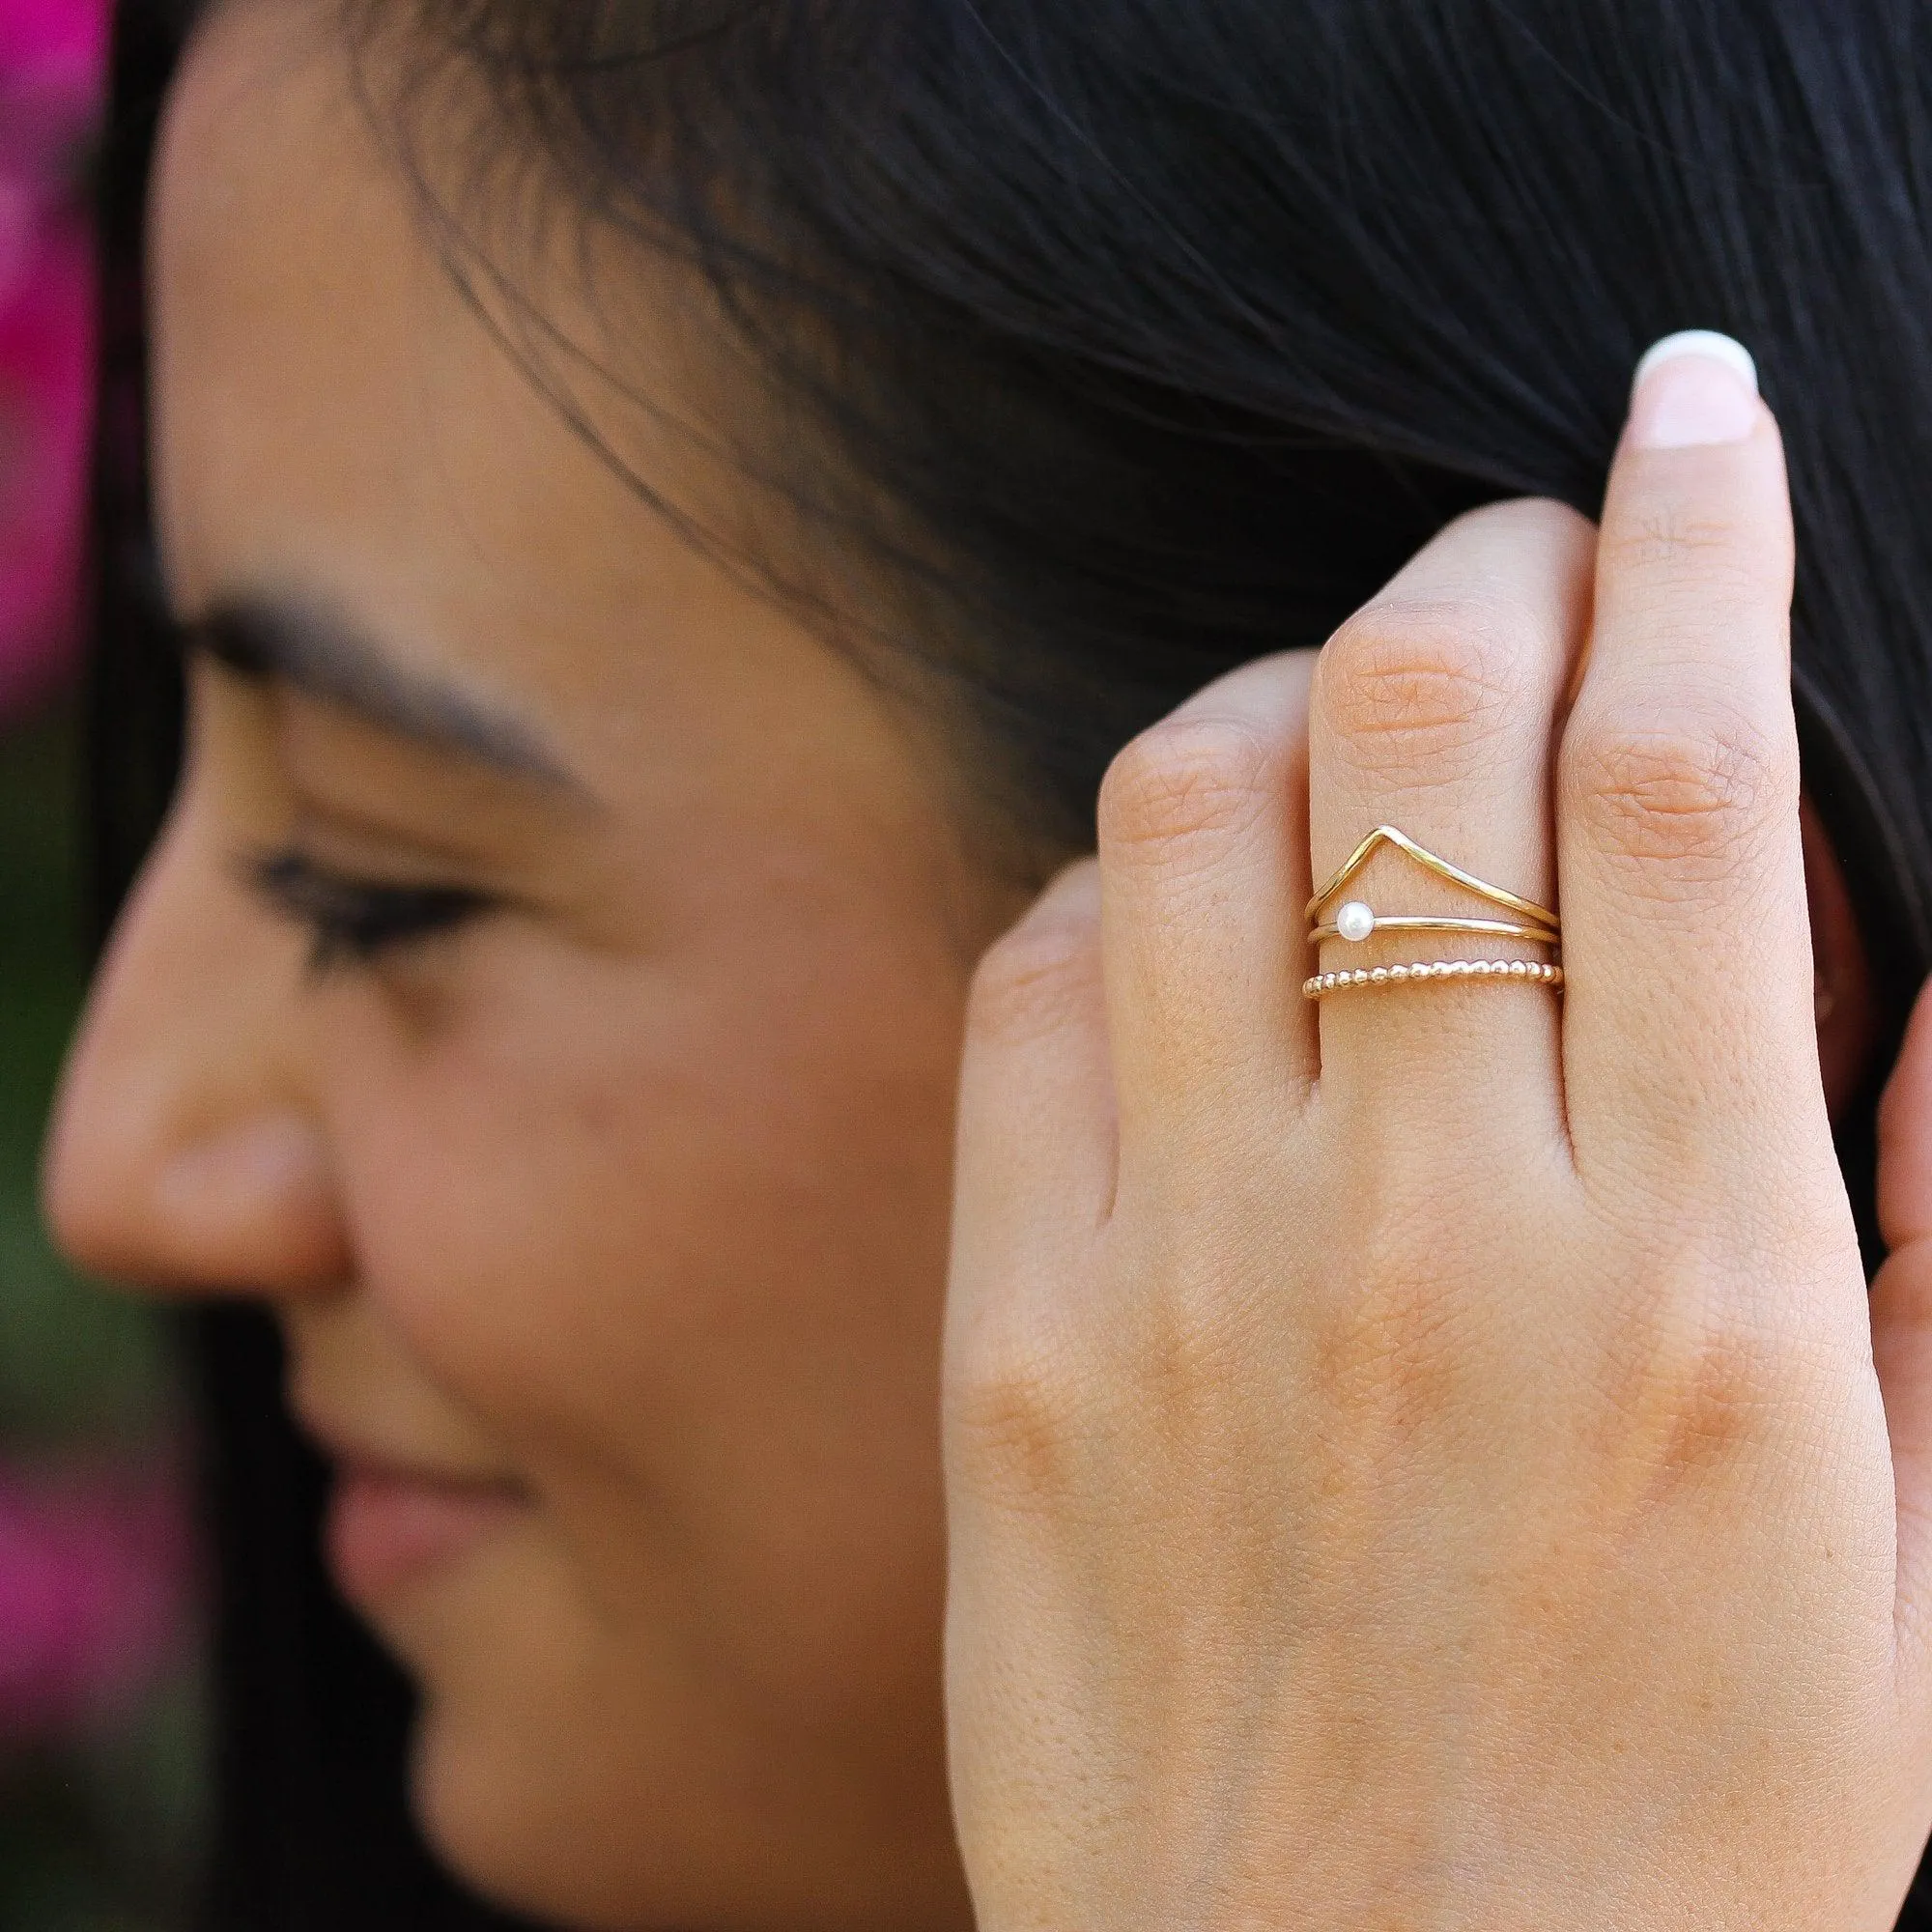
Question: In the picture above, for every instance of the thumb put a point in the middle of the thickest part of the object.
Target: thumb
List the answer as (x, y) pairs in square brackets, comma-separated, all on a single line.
[(1902, 1313)]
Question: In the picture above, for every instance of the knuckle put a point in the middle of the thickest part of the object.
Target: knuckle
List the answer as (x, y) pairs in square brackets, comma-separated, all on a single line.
[(1394, 1360), (1690, 1390), (1188, 1348), (1673, 545), (1693, 790), (1424, 686), (1395, 1350), (1035, 979), (1182, 781), (1015, 1408)]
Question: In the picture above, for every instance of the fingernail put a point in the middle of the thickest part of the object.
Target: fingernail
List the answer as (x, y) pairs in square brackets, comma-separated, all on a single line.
[(1696, 386)]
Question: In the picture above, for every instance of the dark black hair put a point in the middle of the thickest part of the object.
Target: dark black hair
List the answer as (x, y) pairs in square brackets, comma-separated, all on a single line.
[(1128, 340)]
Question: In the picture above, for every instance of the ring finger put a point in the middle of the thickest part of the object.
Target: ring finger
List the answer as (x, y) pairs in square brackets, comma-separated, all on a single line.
[(1435, 711)]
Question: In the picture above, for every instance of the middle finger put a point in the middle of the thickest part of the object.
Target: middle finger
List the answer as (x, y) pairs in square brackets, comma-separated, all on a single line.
[(1435, 711)]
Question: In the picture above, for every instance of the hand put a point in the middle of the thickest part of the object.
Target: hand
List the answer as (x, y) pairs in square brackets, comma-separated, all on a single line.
[(1417, 1460)]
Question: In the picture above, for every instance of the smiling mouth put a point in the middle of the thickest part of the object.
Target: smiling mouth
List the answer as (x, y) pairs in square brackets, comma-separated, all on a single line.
[(388, 1529)]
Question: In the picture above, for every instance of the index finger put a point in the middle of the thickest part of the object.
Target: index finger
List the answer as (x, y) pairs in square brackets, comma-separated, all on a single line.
[(1686, 939)]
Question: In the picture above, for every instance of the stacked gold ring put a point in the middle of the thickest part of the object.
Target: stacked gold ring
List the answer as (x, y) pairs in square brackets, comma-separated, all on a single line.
[(1434, 969), (1354, 921)]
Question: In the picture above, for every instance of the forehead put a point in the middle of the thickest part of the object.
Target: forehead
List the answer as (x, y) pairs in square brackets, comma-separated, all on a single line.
[(304, 352), (336, 421)]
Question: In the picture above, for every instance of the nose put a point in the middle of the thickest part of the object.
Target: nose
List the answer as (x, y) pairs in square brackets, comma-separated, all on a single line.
[(182, 1155)]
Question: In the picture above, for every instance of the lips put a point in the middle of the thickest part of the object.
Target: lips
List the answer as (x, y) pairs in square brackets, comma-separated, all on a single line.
[(390, 1528)]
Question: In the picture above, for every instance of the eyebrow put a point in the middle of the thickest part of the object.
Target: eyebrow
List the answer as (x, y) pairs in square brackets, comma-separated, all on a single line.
[(320, 655)]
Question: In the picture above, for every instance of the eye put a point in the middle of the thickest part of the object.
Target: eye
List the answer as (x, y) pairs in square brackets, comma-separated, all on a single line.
[(351, 921)]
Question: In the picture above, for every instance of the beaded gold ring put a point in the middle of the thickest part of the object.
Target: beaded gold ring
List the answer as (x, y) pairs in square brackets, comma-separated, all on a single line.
[(1534, 971)]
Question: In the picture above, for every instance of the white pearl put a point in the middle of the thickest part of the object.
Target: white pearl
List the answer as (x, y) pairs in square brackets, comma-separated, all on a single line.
[(1354, 921)]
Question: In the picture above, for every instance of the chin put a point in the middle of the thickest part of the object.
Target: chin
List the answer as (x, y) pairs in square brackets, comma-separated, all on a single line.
[(562, 1775), (546, 1796), (633, 1855), (530, 1776), (498, 1835), (581, 1773)]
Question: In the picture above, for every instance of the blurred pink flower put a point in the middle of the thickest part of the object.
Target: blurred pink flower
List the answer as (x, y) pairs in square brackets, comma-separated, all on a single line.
[(52, 57), (94, 1596)]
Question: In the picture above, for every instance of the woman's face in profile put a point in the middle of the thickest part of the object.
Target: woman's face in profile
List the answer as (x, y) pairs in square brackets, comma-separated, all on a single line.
[(545, 996)]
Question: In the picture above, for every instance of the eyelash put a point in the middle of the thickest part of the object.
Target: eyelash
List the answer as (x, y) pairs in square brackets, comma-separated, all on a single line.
[(353, 921)]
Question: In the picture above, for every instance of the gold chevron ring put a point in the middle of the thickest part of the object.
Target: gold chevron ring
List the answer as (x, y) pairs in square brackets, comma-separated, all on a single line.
[(1354, 921)]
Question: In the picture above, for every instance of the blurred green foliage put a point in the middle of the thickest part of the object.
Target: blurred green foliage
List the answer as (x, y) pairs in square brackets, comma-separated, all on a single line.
[(72, 1359), (97, 1832)]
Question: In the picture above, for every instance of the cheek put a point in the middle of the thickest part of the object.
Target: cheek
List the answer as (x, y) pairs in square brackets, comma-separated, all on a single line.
[(677, 1243)]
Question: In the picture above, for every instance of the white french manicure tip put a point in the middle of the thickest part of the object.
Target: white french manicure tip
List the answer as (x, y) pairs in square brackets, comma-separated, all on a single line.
[(1726, 349)]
